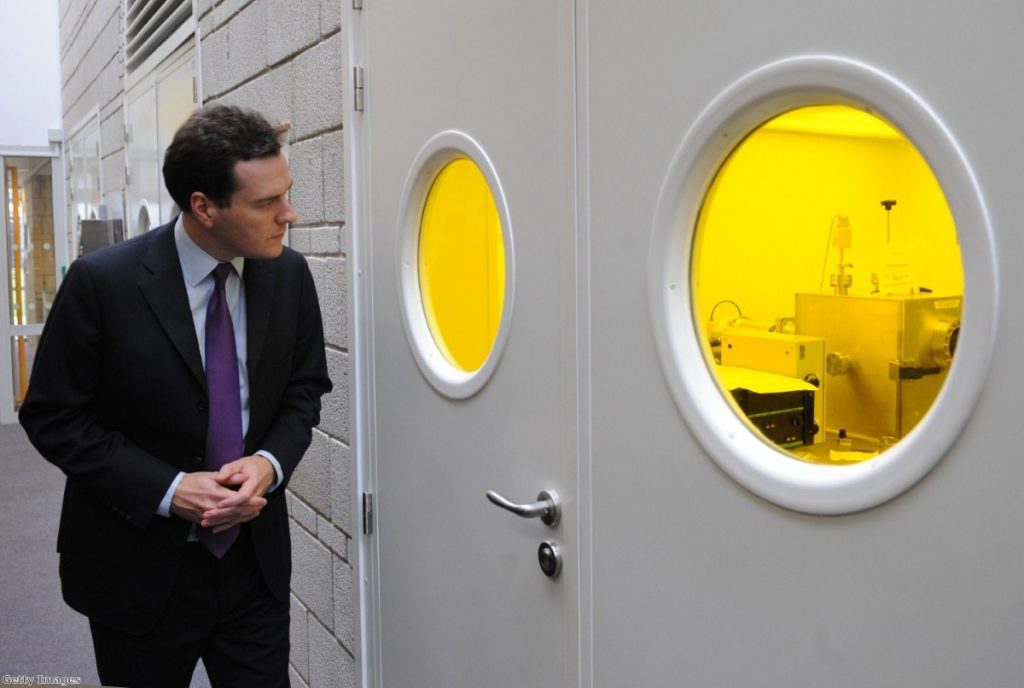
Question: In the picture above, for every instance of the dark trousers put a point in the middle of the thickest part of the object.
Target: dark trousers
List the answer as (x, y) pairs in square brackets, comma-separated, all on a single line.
[(220, 611)]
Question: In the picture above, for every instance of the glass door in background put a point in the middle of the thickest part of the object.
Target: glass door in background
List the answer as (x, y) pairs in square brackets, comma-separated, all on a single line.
[(29, 270)]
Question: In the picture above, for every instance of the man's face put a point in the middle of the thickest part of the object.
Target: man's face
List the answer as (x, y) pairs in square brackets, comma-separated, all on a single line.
[(253, 225)]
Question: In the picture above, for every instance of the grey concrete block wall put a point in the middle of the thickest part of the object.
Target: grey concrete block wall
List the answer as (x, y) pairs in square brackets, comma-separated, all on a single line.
[(92, 73), (285, 59), (90, 49), (294, 28)]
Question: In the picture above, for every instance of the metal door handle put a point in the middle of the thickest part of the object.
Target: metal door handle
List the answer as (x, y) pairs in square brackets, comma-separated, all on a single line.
[(548, 507)]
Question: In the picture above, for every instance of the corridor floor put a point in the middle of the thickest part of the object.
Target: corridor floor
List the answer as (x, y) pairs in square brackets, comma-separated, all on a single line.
[(39, 634)]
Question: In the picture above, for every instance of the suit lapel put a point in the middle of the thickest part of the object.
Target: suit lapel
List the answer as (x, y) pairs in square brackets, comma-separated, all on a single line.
[(259, 291), (163, 287)]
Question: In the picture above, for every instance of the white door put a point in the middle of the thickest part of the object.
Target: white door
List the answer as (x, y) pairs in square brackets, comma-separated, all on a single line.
[(461, 598), (717, 560)]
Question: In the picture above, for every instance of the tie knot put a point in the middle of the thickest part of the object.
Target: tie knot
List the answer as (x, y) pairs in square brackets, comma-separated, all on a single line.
[(220, 274)]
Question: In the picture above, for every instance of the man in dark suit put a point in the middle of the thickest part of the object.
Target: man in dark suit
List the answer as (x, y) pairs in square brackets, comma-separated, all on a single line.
[(176, 384)]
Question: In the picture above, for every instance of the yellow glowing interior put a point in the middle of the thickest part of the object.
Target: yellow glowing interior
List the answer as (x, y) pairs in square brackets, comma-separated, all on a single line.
[(462, 264), (799, 192)]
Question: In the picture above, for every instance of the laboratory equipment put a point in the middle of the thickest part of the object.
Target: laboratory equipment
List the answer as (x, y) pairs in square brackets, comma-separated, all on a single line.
[(792, 355), (780, 406), (887, 358)]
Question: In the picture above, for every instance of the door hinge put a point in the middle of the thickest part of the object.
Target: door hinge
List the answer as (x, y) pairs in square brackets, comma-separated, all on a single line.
[(357, 4), (367, 513), (357, 88), (127, 176), (195, 90), (127, 133)]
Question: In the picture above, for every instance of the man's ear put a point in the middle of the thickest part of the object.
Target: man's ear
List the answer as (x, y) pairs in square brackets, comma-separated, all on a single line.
[(203, 209)]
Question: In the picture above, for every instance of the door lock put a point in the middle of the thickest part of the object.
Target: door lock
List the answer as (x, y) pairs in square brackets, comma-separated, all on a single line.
[(549, 556)]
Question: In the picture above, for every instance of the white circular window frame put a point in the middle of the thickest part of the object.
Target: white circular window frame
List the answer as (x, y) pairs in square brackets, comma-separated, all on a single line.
[(145, 213), (768, 472), (445, 377)]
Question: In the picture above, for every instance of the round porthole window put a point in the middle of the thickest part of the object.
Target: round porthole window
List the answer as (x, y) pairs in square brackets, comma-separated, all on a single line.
[(462, 264), (827, 275), (143, 222), (456, 264), (823, 284)]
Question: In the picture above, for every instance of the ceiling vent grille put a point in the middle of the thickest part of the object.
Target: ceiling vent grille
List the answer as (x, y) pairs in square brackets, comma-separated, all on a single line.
[(149, 23)]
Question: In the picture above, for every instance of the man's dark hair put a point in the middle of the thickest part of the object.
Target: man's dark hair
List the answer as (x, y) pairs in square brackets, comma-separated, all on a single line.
[(205, 149)]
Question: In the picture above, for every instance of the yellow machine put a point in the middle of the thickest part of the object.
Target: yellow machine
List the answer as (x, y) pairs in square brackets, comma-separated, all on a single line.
[(886, 358), (779, 406), (792, 355)]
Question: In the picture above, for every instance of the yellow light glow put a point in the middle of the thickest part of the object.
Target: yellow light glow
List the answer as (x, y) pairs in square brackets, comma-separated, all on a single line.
[(462, 264), (773, 225)]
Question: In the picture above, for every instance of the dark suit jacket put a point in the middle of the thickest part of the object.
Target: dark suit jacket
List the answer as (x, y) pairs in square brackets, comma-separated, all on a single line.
[(117, 400)]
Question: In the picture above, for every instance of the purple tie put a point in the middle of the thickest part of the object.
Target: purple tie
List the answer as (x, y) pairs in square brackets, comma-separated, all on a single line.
[(224, 434)]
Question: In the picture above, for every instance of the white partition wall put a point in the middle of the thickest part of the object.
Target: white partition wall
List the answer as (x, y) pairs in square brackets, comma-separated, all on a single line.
[(156, 105), (695, 550)]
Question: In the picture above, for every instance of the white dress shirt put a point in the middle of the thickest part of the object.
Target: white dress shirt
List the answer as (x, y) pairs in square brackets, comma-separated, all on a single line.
[(197, 268)]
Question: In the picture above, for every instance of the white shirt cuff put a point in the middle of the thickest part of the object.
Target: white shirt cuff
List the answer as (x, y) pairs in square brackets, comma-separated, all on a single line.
[(277, 468), (165, 505)]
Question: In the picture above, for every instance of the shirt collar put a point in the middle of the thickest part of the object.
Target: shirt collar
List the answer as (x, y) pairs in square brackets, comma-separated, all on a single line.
[(196, 264)]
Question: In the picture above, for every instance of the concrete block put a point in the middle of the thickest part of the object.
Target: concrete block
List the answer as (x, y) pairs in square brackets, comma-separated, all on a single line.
[(325, 240), (318, 85), (307, 195), (341, 487), (268, 94), (70, 16), (227, 9), (330, 16), (203, 7), (294, 678), (206, 25), (93, 44), (247, 37), (83, 29), (311, 480), (216, 63), (292, 26), (332, 289), (299, 239), (334, 177), (108, 9), (346, 241), (312, 575), (318, 268), (335, 540), (111, 82), (334, 417), (301, 513), (105, 45), (344, 605), (299, 637), (330, 665), (108, 110)]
